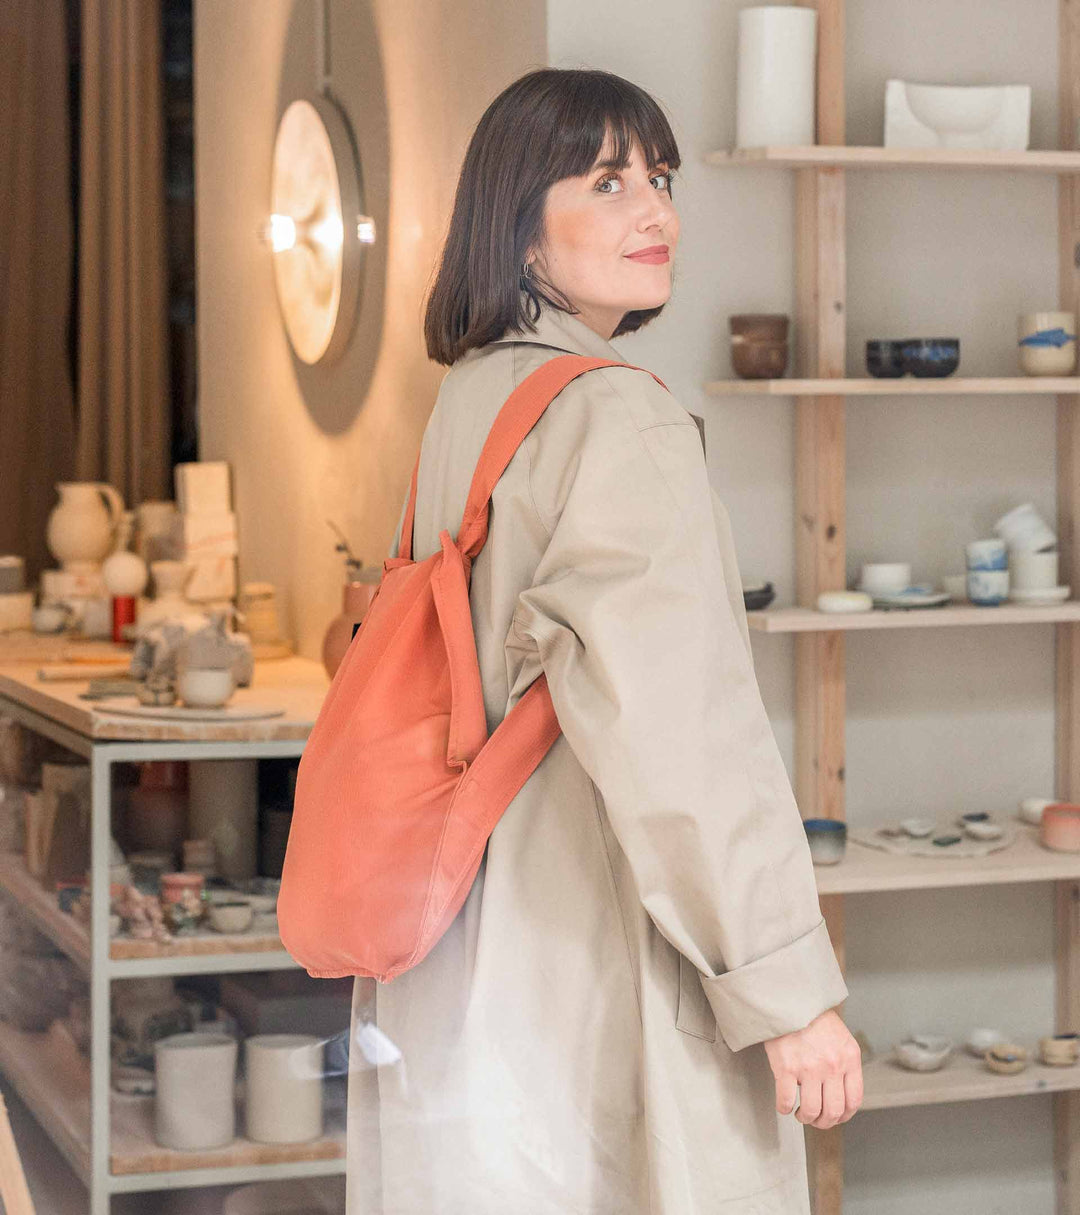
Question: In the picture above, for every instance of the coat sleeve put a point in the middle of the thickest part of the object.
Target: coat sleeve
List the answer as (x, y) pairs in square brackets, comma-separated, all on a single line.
[(636, 612)]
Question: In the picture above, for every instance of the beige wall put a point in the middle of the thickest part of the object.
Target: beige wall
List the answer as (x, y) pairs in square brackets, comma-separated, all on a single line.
[(938, 722), (308, 444)]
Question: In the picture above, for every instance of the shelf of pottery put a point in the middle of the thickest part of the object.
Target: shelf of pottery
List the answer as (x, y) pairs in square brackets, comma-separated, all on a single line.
[(790, 114), (209, 1056), (149, 1016)]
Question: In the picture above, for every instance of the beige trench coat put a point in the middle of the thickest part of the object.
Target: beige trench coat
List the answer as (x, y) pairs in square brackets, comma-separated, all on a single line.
[(586, 1037)]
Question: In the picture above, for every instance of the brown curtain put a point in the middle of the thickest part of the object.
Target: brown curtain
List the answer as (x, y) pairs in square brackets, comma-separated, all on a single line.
[(37, 425), (123, 391)]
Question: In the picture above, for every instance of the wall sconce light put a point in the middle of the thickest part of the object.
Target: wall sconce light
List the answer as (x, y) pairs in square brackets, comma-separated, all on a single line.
[(316, 229)]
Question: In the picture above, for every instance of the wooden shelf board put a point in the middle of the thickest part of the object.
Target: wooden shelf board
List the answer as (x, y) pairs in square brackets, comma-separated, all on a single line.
[(196, 945), (838, 156), (864, 870), (905, 386), (807, 620), (134, 1149), (887, 1085), (42, 909), (53, 1079)]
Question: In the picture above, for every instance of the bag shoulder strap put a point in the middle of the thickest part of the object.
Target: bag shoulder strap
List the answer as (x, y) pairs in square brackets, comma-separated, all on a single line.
[(522, 410)]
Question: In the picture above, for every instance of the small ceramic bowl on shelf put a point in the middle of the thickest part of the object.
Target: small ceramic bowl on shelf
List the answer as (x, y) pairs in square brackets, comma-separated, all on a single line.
[(1006, 1058), (923, 1052), (931, 357), (827, 838), (759, 345), (232, 916), (885, 359), (1059, 1050), (1059, 827), (757, 595)]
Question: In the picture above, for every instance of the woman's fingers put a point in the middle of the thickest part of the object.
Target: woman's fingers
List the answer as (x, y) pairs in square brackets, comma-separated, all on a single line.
[(786, 1086)]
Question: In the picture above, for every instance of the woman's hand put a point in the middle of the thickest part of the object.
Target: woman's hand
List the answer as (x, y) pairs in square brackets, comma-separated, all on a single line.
[(824, 1060)]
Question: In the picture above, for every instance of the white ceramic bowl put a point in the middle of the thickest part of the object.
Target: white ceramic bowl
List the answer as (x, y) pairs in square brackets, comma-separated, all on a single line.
[(205, 688), (233, 916)]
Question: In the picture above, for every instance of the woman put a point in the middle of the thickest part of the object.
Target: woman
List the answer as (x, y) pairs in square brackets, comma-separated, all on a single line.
[(617, 1020)]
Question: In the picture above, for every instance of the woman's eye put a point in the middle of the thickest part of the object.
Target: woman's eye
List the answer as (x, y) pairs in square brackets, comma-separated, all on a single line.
[(611, 177)]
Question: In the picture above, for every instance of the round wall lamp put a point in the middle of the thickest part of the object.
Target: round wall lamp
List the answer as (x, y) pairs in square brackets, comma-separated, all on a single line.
[(316, 229)]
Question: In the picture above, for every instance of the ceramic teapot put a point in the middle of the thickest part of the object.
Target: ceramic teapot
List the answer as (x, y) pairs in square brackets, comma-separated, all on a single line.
[(83, 523)]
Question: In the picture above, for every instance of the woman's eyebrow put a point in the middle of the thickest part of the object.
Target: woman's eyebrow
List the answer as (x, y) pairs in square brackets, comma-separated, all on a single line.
[(612, 163)]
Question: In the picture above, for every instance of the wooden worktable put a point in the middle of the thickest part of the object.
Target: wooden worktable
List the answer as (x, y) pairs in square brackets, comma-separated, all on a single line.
[(296, 684)]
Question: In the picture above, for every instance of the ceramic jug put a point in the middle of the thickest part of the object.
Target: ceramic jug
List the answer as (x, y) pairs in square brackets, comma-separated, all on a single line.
[(82, 524)]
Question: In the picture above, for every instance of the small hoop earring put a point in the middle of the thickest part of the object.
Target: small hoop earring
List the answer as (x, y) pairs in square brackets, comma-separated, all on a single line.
[(526, 272)]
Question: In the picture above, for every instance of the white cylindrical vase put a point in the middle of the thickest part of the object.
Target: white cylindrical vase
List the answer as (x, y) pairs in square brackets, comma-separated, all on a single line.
[(775, 97), (194, 1100), (283, 1100), (223, 806)]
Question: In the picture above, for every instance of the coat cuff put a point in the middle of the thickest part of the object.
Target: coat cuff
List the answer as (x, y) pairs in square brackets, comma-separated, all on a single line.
[(778, 993)]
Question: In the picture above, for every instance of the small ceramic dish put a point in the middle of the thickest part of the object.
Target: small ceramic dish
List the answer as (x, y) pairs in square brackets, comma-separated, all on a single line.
[(757, 595), (916, 827), (234, 916), (980, 1040), (923, 1052), (984, 831), (1006, 1058), (206, 687), (1059, 1050)]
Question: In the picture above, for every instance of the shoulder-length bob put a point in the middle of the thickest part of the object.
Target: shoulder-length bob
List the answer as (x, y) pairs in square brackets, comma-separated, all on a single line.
[(549, 124)]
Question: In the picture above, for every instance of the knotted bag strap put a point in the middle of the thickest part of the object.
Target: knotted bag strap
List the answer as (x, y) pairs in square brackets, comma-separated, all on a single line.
[(522, 410)]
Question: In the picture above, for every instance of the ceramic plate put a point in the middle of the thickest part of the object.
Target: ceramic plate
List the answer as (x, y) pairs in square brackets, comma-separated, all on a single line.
[(130, 706), (913, 597), (1057, 594)]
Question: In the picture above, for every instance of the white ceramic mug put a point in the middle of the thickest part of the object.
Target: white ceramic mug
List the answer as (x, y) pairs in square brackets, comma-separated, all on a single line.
[(1024, 527), (1047, 343), (284, 1075), (194, 1105), (1031, 571)]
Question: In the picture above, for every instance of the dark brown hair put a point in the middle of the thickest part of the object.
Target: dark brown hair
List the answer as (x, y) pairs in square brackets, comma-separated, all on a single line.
[(549, 124)]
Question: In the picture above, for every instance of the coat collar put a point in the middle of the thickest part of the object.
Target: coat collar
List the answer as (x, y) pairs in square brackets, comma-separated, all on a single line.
[(562, 331)]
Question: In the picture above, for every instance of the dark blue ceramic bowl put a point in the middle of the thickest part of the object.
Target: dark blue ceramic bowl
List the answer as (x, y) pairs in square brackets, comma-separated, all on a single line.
[(927, 357), (885, 359)]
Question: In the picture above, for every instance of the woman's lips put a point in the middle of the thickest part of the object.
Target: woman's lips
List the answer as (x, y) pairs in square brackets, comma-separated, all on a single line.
[(654, 257)]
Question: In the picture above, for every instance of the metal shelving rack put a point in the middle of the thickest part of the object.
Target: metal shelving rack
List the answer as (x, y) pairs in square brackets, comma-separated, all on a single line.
[(107, 1137), (820, 395)]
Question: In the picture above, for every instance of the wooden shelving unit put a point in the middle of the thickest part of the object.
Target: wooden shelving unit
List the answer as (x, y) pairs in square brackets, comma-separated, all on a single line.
[(820, 390), (105, 1136)]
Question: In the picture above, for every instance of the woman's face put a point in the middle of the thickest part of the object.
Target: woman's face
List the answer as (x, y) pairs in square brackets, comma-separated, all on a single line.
[(592, 225)]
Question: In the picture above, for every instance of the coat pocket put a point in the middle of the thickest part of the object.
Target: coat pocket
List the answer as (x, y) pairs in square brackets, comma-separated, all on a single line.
[(695, 1015)]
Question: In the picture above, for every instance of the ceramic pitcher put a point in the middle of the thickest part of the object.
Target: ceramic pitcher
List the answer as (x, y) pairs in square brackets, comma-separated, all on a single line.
[(82, 524)]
